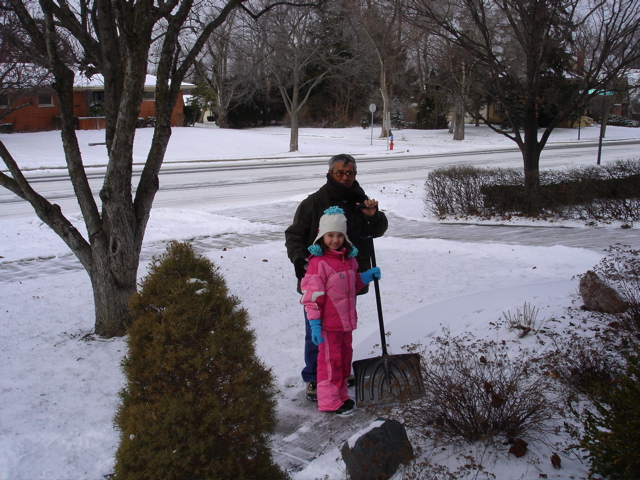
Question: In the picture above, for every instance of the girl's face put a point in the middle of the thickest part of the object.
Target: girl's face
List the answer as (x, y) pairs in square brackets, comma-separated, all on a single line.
[(333, 240)]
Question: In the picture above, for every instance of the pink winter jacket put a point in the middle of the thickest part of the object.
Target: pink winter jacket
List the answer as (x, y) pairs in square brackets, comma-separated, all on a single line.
[(329, 290)]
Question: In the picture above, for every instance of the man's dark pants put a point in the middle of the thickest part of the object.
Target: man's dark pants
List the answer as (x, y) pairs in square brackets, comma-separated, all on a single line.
[(310, 354)]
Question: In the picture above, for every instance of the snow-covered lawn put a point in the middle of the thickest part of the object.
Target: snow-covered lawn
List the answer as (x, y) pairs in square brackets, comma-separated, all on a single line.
[(59, 384)]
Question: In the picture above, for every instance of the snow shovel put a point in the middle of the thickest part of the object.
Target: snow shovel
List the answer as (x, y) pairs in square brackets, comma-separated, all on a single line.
[(389, 378)]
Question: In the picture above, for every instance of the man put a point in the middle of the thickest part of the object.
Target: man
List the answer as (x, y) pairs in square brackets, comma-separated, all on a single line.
[(363, 219)]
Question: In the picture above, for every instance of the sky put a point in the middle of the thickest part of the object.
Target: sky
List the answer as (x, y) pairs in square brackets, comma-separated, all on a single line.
[(59, 384)]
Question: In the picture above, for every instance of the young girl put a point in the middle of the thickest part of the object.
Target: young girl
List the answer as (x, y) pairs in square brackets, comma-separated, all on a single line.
[(329, 290)]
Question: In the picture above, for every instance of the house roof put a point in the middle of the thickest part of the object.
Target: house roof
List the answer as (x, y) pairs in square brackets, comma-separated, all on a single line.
[(96, 82)]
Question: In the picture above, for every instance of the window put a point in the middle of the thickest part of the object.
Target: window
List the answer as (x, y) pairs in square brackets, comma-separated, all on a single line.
[(45, 100), (498, 109), (4, 101), (149, 96), (96, 104)]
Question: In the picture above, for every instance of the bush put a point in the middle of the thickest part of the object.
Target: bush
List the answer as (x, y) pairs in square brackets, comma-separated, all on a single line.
[(428, 115), (456, 190), (610, 192), (619, 121), (197, 402), (524, 321), (620, 268), (584, 364), (611, 429), (478, 390)]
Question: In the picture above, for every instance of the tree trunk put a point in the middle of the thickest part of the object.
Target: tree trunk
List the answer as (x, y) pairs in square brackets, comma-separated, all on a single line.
[(111, 298), (531, 152), (222, 119), (294, 108), (293, 141), (458, 122), (384, 133)]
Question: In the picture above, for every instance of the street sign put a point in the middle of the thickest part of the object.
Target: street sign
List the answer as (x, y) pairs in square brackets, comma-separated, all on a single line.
[(372, 107), (601, 92)]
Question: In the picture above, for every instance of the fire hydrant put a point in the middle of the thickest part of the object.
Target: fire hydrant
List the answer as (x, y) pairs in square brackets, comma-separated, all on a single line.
[(390, 142)]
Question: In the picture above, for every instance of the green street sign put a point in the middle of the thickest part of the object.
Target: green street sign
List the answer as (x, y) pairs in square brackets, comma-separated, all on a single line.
[(601, 92)]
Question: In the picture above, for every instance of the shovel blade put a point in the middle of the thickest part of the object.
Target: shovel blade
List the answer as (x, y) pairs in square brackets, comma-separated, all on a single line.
[(388, 379)]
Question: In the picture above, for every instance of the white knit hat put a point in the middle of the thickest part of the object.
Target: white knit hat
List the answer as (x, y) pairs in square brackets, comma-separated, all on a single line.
[(333, 220)]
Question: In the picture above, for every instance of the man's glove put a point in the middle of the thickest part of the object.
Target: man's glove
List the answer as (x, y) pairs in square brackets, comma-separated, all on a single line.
[(370, 274), (316, 331), (300, 265)]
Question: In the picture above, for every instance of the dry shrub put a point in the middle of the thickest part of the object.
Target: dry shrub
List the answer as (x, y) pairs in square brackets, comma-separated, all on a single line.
[(524, 321), (456, 190), (584, 364), (424, 469), (478, 390), (608, 192), (620, 268)]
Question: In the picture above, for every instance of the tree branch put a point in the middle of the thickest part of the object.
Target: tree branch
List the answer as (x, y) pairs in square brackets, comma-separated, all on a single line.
[(49, 213)]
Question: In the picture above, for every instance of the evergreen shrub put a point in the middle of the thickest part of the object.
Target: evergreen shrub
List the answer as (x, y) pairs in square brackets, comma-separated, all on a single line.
[(198, 403), (611, 428)]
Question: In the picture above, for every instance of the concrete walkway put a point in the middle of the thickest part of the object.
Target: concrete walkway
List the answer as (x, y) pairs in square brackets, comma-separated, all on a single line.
[(281, 214)]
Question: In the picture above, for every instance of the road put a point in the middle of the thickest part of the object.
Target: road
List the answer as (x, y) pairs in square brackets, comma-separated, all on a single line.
[(261, 191), (225, 184)]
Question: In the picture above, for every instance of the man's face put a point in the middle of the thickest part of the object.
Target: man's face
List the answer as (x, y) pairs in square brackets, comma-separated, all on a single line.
[(342, 174)]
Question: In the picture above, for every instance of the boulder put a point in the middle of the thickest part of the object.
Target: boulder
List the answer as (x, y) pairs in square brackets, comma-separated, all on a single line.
[(376, 452), (599, 297)]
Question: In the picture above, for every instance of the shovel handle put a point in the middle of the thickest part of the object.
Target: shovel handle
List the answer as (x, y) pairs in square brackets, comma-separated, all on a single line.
[(376, 285)]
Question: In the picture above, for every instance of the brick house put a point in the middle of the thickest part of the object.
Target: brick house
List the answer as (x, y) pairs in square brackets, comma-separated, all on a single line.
[(43, 113)]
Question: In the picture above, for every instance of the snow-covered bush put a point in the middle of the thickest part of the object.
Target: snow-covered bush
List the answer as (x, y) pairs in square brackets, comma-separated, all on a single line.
[(198, 403), (479, 390), (619, 121)]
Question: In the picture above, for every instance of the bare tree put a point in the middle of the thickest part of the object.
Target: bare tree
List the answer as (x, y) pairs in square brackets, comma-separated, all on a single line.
[(294, 54), (114, 38), (379, 23), (541, 59), (224, 66)]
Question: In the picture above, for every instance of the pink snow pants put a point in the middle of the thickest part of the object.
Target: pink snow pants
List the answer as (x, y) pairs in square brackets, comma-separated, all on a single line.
[(334, 366)]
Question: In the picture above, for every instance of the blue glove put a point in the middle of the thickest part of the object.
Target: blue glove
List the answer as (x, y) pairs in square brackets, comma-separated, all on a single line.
[(370, 274), (316, 331)]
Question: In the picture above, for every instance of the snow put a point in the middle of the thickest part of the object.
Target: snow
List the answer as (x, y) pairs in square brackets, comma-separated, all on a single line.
[(59, 384)]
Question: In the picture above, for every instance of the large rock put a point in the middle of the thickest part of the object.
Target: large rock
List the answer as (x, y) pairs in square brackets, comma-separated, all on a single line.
[(377, 452), (599, 297)]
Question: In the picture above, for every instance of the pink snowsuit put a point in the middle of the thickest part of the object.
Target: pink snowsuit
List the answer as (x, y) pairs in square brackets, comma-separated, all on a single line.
[(329, 293)]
